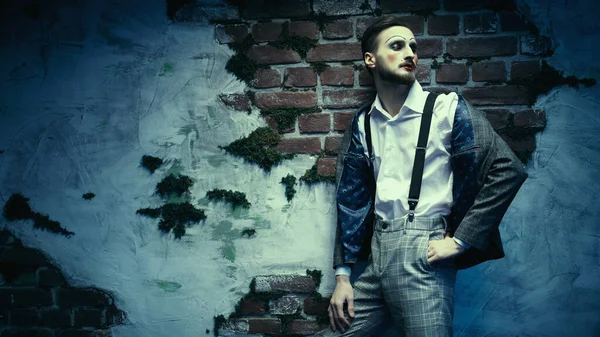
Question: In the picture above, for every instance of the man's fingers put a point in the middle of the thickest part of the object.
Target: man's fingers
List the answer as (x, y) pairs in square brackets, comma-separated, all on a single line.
[(351, 306), (342, 321), (331, 318)]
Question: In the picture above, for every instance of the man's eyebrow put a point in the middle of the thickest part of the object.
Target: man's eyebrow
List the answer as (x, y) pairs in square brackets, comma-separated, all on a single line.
[(412, 39)]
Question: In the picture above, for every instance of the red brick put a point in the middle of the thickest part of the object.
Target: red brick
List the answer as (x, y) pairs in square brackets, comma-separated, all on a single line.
[(304, 327), (287, 283), (484, 22), (56, 318), (513, 22), (25, 298), (423, 73), (365, 79), (429, 48), (524, 69), (326, 166), (313, 123), (488, 71), (239, 101), (339, 29), (338, 76), (268, 31), (332, 144), (394, 6), (452, 73), (440, 90), (258, 9), (300, 77), (316, 306), (231, 33), (300, 145), (497, 95), (85, 317), (536, 45), (264, 325), (307, 29), (302, 99), (24, 318), (523, 144), (83, 297), (253, 306), (530, 119), (341, 120), (351, 98), (335, 52), (482, 47), (272, 55), (498, 118), (267, 78), (362, 24), (467, 5), (272, 123), (443, 24)]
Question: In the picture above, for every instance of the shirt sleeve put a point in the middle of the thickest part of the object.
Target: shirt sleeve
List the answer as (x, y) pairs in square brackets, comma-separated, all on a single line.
[(461, 243), (342, 269)]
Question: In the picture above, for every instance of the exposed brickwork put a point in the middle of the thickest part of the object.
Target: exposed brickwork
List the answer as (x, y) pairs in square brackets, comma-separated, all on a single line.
[(314, 123), (326, 166), (365, 79), (530, 119), (429, 48), (259, 9), (268, 31), (443, 24), (338, 76), (253, 306), (424, 73), (469, 5), (231, 33), (524, 69), (270, 55), (485, 22), (304, 327), (332, 144), (497, 95), (285, 305), (267, 78), (351, 98), (339, 29), (239, 101), (482, 47), (301, 99), (513, 22), (489, 71), (362, 24), (264, 325), (452, 73), (300, 145), (307, 29), (272, 123), (314, 305), (499, 118), (294, 283), (335, 52), (394, 6), (536, 45), (341, 120), (300, 77), (34, 310)]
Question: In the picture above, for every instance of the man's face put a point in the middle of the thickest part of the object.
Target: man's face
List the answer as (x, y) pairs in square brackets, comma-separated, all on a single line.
[(395, 58)]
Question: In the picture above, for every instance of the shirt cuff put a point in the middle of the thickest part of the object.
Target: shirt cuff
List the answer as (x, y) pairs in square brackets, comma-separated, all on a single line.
[(462, 244), (342, 269)]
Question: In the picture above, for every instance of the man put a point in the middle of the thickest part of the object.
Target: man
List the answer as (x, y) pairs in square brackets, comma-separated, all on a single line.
[(469, 177)]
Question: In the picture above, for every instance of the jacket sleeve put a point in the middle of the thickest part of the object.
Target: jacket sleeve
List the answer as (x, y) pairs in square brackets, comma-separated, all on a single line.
[(501, 176)]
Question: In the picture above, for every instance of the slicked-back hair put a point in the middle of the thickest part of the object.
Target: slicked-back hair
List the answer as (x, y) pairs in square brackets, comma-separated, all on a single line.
[(369, 39)]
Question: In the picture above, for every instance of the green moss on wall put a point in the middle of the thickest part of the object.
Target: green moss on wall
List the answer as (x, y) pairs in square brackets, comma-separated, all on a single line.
[(250, 232), (286, 117), (319, 67), (17, 208), (289, 181), (175, 217), (88, 196), (316, 275), (174, 185), (240, 64), (311, 177), (299, 44), (258, 149), (235, 198), (151, 163)]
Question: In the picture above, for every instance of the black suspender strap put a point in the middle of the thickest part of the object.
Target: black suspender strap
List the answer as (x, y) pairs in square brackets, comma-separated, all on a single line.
[(417, 173), (419, 164)]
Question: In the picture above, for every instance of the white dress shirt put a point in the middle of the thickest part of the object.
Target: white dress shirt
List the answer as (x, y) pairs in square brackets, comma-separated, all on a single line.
[(394, 140)]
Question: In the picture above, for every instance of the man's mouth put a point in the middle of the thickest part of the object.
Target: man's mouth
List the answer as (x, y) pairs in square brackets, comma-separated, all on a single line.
[(408, 67)]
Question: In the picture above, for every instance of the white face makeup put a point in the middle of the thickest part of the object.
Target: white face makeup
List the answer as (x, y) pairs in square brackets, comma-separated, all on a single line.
[(395, 58)]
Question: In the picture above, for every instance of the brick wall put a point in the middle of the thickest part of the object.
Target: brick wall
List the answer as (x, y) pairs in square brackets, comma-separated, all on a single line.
[(481, 49), (35, 299)]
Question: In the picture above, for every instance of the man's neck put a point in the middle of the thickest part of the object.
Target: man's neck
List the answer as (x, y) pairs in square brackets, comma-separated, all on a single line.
[(392, 96)]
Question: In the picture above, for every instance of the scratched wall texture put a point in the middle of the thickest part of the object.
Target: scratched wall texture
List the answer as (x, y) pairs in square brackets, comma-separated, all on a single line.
[(87, 89)]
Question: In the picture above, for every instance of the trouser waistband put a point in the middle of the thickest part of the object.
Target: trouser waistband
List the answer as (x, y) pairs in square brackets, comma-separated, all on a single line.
[(421, 223)]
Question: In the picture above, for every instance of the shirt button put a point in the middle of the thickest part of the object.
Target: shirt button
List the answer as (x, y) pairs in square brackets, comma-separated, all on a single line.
[(384, 225)]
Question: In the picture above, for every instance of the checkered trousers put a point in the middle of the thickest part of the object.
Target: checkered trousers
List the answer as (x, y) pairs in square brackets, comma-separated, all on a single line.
[(400, 287)]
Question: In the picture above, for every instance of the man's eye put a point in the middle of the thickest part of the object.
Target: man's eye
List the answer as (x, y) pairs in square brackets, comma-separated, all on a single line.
[(397, 45), (413, 47)]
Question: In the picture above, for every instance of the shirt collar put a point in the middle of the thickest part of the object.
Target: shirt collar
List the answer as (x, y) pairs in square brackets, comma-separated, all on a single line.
[(415, 100)]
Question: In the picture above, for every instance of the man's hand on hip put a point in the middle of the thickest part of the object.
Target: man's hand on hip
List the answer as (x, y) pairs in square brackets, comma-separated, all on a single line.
[(443, 249), (343, 293)]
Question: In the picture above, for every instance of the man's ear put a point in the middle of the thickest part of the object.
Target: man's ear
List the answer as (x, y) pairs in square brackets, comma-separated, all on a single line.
[(369, 60)]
